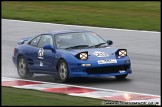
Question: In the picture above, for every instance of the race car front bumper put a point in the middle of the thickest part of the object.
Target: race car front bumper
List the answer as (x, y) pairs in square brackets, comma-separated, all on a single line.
[(99, 70)]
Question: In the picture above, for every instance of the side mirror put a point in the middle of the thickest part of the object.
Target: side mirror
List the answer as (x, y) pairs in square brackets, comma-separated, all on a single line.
[(49, 47), (109, 42)]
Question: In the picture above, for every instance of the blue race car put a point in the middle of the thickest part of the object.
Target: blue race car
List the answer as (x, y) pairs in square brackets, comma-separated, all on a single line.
[(70, 53)]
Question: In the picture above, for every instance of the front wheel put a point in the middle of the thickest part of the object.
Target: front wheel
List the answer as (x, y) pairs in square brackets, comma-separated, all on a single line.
[(121, 76), (22, 68), (62, 71)]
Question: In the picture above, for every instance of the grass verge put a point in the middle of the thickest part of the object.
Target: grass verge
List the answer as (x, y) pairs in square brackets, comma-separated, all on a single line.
[(14, 96), (140, 15)]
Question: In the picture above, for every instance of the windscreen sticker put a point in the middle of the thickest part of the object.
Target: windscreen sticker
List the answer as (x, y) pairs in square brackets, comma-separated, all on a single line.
[(100, 54), (107, 61)]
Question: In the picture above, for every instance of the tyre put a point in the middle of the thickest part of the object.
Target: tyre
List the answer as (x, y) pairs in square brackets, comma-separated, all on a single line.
[(62, 71), (23, 69), (121, 76)]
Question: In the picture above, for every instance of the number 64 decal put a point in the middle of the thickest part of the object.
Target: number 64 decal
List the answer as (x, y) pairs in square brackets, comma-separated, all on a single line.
[(41, 53)]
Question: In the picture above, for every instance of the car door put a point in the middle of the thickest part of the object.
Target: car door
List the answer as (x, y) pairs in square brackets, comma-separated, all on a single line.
[(32, 55), (46, 57)]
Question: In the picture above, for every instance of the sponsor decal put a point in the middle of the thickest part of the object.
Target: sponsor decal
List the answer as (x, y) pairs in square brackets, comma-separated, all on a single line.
[(107, 61), (121, 71), (41, 63), (100, 54)]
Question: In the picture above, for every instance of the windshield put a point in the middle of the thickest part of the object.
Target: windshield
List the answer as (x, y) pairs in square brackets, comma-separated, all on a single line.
[(78, 40)]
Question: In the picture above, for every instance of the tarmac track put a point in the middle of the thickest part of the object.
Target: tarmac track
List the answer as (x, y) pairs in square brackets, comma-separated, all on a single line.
[(143, 49)]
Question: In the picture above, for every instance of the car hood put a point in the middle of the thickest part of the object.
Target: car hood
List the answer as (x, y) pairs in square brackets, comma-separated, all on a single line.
[(95, 52)]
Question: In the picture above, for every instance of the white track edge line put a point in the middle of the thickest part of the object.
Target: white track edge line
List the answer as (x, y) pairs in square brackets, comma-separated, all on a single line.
[(86, 87), (84, 26)]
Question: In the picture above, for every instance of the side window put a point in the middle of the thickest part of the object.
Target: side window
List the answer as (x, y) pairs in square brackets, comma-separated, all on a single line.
[(35, 41), (45, 40)]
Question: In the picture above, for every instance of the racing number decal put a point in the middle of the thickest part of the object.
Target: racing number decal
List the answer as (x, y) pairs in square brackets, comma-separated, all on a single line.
[(41, 53)]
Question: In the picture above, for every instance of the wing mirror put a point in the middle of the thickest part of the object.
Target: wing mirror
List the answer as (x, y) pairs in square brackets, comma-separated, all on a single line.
[(49, 47), (109, 42)]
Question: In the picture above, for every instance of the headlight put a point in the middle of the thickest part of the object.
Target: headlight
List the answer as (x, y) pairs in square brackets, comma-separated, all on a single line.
[(82, 55), (121, 52)]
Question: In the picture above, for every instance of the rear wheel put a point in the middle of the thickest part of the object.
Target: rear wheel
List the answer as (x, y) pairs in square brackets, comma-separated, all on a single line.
[(121, 76), (62, 71), (22, 68)]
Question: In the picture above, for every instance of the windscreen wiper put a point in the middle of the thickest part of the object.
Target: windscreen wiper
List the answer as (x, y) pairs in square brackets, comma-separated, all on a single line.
[(97, 45), (78, 46)]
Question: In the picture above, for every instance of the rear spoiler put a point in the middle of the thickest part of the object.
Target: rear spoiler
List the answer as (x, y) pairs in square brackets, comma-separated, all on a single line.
[(22, 40)]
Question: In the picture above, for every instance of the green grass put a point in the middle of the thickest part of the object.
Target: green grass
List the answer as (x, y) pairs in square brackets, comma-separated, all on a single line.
[(141, 15), (14, 96)]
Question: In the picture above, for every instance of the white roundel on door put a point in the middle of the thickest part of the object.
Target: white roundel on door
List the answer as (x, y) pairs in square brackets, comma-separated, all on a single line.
[(40, 53)]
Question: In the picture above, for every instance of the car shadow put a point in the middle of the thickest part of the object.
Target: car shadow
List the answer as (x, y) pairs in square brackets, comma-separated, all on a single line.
[(95, 80), (81, 80)]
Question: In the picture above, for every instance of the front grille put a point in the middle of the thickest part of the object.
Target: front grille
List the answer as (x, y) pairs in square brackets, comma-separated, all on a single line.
[(106, 70)]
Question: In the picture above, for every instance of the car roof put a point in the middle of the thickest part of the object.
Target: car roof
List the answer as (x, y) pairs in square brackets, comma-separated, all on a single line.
[(67, 31)]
